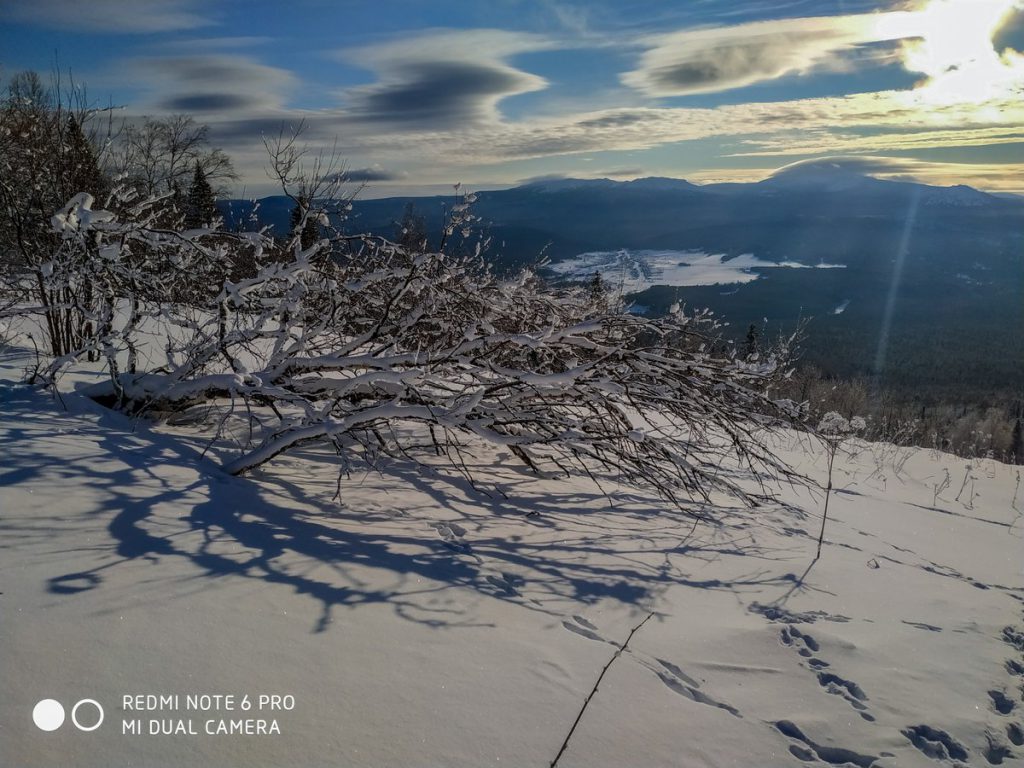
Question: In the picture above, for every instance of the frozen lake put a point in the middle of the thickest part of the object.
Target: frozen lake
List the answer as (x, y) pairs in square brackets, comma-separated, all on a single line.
[(634, 271)]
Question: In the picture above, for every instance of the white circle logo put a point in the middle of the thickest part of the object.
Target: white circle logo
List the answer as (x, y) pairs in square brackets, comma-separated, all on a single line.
[(48, 715), (74, 715)]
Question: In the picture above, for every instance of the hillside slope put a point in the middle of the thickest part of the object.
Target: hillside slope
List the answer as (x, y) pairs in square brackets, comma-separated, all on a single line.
[(421, 622)]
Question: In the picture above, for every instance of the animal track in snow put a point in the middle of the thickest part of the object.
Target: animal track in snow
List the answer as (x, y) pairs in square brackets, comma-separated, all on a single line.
[(507, 583), (849, 690), (922, 625), (802, 642), (449, 531), (679, 682), (807, 749), (670, 674), (995, 752), (583, 622), (1014, 638), (1001, 703), (1015, 734), (584, 628), (451, 534), (935, 743), (806, 646), (778, 615)]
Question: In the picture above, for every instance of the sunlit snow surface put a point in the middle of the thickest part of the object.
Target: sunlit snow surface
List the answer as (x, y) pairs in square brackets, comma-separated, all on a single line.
[(635, 271), (423, 620)]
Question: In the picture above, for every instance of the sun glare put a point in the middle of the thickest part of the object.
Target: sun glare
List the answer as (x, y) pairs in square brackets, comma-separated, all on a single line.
[(952, 44)]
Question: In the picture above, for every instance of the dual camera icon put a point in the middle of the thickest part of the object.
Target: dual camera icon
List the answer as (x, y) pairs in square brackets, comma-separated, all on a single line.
[(49, 715)]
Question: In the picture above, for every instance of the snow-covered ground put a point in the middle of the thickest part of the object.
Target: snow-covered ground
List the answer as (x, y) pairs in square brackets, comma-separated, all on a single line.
[(421, 622), (634, 271)]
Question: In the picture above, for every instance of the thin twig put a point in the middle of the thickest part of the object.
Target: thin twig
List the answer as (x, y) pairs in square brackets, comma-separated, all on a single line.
[(600, 677)]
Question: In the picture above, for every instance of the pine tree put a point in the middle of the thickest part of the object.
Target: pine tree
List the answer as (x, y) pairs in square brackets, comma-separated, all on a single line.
[(310, 231), (83, 172), (751, 346), (412, 229), (598, 291), (200, 205)]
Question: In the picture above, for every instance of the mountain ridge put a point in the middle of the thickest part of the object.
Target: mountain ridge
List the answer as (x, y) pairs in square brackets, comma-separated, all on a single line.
[(951, 258)]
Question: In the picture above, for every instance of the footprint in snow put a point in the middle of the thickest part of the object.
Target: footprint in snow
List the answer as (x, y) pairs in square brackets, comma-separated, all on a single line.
[(506, 582), (779, 615), (805, 645), (995, 752), (1015, 734), (922, 625), (583, 622), (583, 628), (679, 682), (935, 743), (1001, 703), (1014, 638), (669, 666), (808, 750), (451, 534), (848, 689)]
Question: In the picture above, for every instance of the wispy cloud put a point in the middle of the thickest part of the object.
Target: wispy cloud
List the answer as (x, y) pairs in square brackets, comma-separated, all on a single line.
[(950, 41), (115, 16), (621, 173), (442, 79), (373, 173), (221, 86), (707, 60), (433, 109)]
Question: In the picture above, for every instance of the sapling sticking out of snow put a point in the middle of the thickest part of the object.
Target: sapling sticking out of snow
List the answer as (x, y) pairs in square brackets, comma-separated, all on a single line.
[(967, 476), (969, 504), (902, 456), (940, 486), (834, 430)]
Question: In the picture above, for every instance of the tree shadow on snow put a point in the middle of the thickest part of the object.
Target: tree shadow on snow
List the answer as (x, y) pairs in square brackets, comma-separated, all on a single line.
[(523, 543)]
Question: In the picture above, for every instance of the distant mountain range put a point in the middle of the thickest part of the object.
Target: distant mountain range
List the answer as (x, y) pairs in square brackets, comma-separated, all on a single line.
[(955, 254)]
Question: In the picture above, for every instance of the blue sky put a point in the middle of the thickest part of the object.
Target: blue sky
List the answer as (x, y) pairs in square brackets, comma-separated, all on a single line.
[(416, 96)]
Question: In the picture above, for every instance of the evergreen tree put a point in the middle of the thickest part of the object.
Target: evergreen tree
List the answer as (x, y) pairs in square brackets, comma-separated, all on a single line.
[(310, 231), (598, 290), (412, 229), (83, 172), (200, 205), (751, 346)]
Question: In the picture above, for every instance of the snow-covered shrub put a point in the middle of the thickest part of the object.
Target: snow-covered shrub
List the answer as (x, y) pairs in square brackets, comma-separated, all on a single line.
[(378, 348), (835, 426), (358, 339), (109, 273)]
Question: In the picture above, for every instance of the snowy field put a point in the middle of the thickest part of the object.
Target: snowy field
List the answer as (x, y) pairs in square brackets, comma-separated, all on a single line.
[(635, 271), (420, 622)]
